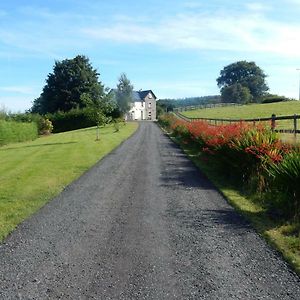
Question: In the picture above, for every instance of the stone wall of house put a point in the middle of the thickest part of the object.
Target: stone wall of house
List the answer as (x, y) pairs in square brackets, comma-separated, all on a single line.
[(150, 106)]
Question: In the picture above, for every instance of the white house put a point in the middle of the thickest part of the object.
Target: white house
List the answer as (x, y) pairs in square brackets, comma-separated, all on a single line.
[(143, 106)]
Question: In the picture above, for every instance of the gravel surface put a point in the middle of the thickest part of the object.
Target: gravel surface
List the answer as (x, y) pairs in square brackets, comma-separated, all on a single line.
[(143, 223)]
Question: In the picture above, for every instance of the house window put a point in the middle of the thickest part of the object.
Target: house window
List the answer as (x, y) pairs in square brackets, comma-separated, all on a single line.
[(142, 103), (149, 105)]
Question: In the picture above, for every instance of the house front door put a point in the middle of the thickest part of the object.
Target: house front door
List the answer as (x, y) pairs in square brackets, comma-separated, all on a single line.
[(142, 115)]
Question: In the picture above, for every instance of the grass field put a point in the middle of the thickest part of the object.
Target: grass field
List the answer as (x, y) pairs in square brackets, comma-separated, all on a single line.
[(253, 111), (31, 173), (247, 111)]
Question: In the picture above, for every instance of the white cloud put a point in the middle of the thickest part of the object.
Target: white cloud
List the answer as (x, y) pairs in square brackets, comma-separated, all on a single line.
[(241, 32)]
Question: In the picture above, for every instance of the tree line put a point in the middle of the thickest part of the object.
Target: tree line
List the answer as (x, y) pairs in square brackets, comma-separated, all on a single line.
[(74, 88)]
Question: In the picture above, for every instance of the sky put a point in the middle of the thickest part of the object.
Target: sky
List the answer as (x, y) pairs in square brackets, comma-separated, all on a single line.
[(175, 48)]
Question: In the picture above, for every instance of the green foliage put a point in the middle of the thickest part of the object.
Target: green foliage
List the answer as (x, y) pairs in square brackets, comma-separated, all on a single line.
[(248, 74), (285, 178), (70, 79), (71, 120), (116, 124), (98, 109), (123, 94), (44, 126), (274, 99), (236, 93), (252, 156), (160, 109), (14, 132), (3, 113), (165, 120), (169, 104)]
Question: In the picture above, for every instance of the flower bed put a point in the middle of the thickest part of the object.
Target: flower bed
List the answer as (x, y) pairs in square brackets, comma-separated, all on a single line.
[(252, 155)]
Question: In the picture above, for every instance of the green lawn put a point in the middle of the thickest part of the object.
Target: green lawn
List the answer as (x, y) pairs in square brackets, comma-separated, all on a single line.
[(247, 111), (31, 173), (253, 111)]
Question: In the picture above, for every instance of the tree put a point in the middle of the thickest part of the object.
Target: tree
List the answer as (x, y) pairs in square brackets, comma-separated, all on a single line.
[(124, 94), (98, 109), (236, 93), (247, 74), (70, 79)]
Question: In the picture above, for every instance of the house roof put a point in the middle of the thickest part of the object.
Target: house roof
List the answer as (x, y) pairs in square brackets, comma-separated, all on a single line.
[(141, 95), (137, 95)]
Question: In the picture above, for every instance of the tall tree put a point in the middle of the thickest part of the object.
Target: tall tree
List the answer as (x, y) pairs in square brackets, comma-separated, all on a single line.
[(247, 74), (124, 94), (70, 79), (236, 93)]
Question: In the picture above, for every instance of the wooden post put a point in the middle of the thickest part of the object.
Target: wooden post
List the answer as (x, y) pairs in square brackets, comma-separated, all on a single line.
[(295, 125), (273, 124)]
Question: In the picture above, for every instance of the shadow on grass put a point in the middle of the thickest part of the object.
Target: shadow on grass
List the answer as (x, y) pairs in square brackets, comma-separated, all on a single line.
[(38, 145)]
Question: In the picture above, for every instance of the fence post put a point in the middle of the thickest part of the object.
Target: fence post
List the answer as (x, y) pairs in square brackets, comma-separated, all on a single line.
[(273, 125), (295, 125)]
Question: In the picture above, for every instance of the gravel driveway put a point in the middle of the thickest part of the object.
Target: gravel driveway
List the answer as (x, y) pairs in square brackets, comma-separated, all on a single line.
[(143, 223)]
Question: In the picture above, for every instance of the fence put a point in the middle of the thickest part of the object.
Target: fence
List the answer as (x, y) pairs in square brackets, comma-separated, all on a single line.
[(207, 105), (272, 121)]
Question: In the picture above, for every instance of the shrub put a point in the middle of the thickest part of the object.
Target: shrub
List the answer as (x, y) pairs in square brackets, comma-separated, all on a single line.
[(11, 131), (285, 178), (252, 155), (44, 125), (274, 98), (165, 120), (71, 120)]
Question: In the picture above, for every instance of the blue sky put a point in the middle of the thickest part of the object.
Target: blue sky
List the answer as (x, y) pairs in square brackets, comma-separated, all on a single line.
[(176, 48)]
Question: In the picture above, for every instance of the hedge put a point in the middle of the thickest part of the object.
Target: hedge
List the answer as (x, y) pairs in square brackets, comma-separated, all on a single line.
[(71, 120)]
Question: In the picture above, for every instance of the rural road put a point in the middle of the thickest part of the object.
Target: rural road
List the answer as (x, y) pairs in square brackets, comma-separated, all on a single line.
[(141, 224)]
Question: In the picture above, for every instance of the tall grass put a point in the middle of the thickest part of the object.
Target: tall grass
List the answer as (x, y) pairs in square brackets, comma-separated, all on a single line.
[(13, 132)]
